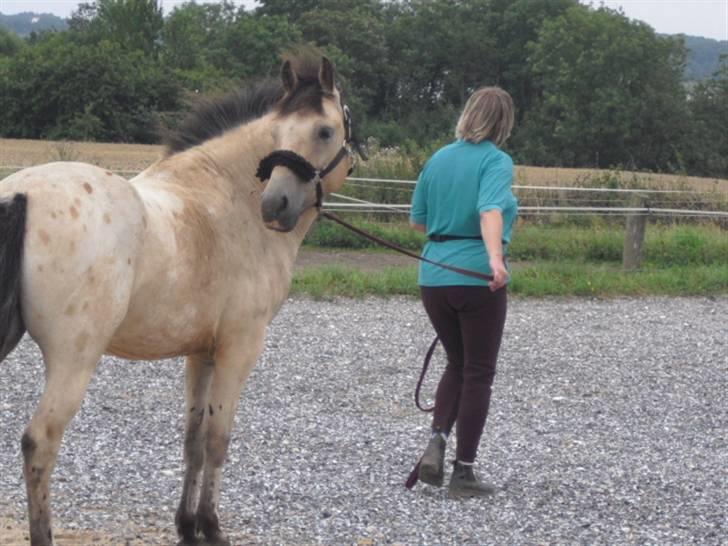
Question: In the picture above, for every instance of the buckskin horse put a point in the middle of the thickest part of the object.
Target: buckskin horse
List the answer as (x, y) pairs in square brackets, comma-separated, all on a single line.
[(192, 257)]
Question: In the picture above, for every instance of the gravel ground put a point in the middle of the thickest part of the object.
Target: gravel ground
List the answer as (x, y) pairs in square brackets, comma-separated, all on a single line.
[(608, 425)]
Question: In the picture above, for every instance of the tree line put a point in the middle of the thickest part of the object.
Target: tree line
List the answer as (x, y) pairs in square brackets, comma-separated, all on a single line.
[(592, 88)]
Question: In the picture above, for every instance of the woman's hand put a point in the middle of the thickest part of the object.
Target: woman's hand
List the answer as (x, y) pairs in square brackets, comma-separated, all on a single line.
[(500, 274), (491, 227)]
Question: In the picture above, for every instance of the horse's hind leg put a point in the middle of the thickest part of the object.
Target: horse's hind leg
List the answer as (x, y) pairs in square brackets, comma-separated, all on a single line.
[(233, 364), (199, 372), (66, 381)]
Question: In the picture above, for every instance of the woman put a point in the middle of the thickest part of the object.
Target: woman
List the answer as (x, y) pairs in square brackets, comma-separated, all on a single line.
[(464, 203)]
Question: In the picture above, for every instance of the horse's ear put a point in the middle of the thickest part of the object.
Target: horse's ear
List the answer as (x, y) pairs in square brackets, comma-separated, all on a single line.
[(326, 75), (288, 77)]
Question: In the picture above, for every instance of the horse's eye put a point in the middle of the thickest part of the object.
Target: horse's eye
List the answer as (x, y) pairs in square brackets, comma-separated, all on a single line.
[(325, 133)]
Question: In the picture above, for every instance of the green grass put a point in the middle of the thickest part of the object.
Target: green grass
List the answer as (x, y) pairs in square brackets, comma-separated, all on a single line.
[(664, 245), (550, 261), (539, 280), (585, 279)]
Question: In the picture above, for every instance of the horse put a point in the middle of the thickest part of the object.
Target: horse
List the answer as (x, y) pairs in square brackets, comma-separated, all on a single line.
[(193, 257)]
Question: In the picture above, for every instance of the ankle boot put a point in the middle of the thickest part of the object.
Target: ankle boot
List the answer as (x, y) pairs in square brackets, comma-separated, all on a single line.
[(432, 464), (464, 484)]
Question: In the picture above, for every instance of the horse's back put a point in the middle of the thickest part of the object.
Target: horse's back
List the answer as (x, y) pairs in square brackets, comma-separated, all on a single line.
[(83, 230)]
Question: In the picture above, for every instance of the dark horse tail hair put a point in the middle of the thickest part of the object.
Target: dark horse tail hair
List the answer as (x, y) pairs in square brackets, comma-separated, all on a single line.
[(12, 234)]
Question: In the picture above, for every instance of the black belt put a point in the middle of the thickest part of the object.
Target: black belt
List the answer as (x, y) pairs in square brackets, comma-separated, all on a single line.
[(435, 238)]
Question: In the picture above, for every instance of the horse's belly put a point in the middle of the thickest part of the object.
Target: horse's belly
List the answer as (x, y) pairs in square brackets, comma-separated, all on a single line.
[(152, 340)]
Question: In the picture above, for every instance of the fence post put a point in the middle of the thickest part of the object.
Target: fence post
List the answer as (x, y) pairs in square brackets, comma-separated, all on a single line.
[(634, 236)]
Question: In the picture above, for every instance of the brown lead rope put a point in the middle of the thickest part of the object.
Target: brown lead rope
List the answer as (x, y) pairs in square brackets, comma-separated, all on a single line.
[(426, 365), (415, 474)]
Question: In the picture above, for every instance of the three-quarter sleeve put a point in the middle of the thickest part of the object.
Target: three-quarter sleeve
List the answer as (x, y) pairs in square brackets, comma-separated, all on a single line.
[(418, 213), (495, 191)]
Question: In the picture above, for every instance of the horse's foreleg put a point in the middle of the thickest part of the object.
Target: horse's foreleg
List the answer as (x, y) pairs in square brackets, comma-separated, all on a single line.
[(232, 368), (66, 382), (199, 373)]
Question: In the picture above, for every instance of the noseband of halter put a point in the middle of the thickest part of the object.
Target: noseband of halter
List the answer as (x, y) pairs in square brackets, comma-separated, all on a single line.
[(302, 168)]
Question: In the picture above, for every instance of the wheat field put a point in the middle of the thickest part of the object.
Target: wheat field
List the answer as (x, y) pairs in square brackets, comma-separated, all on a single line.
[(132, 158)]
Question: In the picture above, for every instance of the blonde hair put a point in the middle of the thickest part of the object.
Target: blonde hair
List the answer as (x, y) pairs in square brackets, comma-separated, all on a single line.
[(488, 114)]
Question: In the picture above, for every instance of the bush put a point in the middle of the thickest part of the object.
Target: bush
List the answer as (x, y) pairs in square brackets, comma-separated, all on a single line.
[(95, 92)]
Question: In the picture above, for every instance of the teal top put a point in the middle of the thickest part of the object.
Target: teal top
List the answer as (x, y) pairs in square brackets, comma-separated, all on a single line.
[(459, 182)]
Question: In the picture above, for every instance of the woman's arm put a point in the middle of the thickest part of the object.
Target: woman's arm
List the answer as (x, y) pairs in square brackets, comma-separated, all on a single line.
[(491, 227), (422, 228)]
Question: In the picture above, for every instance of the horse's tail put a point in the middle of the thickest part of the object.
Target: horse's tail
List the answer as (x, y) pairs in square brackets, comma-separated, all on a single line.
[(12, 233)]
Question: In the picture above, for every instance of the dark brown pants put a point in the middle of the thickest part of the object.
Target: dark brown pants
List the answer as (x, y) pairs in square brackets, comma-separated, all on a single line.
[(469, 321)]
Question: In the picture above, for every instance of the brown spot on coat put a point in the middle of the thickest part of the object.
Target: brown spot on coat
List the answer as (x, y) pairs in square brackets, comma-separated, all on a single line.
[(77, 201), (74, 212), (87, 187), (40, 268), (71, 309), (44, 237), (107, 218)]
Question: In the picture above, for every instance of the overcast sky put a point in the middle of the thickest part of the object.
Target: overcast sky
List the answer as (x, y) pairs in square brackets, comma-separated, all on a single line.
[(707, 18)]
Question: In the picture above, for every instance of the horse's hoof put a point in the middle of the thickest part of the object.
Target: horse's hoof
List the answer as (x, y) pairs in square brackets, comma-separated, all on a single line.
[(185, 542)]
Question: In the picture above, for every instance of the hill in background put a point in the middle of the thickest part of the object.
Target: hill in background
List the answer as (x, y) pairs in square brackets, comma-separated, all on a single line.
[(25, 23), (703, 56)]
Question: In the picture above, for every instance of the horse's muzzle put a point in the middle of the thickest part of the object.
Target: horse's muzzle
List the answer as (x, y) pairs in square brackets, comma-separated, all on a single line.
[(278, 212)]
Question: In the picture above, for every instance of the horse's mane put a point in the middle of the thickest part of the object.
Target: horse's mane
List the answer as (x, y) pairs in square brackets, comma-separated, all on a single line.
[(210, 117)]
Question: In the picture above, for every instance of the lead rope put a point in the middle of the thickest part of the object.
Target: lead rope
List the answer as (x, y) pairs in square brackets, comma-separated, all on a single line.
[(401, 250)]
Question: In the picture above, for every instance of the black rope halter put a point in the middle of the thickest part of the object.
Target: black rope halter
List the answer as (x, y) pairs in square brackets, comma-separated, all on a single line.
[(303, 169)]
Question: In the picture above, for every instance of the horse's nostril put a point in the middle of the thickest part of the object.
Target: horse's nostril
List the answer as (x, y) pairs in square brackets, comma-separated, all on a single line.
[(283, 205)]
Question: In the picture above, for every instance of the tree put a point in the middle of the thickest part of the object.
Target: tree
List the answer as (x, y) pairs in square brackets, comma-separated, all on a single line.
[(290, 9), (223, 43), (133, 24), (352, 33), (708, 151), (10, 43), (61, 89), (513, 25), (251, 46), (611, 94), (192, 37)]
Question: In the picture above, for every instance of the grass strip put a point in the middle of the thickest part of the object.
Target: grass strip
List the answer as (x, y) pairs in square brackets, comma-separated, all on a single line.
[(665, 246), (538, 280)]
